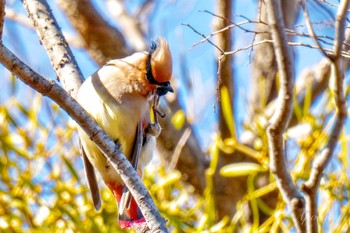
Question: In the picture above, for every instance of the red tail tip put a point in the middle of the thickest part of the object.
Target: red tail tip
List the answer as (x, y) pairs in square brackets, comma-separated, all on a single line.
[(132, 224)]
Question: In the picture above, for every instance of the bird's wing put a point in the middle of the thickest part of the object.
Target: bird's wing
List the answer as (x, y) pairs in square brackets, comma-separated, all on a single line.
[(126, 196), (91, 179)]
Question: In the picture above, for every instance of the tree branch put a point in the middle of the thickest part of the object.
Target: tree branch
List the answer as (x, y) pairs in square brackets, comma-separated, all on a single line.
[(280, 119), (51, 37), (310, 28), (52, 90), (310, 187)]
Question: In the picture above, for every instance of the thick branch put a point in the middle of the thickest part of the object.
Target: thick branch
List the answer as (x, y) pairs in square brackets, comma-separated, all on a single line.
[(51, 37), (281, 116), (310, 187)]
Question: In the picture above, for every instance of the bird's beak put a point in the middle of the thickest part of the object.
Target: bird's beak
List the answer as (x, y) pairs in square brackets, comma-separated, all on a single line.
[(164, 89), (170, 88)]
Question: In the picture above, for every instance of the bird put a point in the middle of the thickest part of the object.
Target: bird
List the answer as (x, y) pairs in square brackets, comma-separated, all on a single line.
[(119, 97)]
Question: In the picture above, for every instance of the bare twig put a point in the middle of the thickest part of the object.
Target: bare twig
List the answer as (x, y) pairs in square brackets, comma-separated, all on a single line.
[(202, 35), (321, 38), (180, 145), (259, 17), (310, 187), (51, 37), (310, 28), (231, 26), (329, 3), (281, 116), (317, 38)]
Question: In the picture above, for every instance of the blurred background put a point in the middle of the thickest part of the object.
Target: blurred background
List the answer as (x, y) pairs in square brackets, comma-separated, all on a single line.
[(211, 169)]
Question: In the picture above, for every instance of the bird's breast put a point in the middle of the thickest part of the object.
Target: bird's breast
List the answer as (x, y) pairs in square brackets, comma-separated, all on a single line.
[(120, 118)]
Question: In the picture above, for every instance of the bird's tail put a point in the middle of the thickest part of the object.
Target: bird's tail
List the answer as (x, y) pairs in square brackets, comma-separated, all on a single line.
[(131, 215)]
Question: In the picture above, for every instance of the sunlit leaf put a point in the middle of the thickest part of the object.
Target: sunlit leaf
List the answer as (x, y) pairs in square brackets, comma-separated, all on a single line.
[(178, 119), (226, 103), (241, 169)]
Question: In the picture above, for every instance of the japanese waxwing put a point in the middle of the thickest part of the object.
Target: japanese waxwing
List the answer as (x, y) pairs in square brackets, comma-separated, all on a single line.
[(118, 96)]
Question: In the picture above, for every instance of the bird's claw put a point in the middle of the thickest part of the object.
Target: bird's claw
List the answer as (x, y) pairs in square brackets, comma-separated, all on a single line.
[(156, 111), (153, 129)]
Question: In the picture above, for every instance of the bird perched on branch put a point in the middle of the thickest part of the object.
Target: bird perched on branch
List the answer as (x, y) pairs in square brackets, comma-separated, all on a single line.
[(119, 97)]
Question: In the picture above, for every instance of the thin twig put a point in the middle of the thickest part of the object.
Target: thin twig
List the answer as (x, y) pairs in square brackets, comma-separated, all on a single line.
[(251, 49), (202, 35), (329, 3), (330, 52), (231, 26), (318, 37), (310, 27), (253, 21), (180, 145), (281, 117)]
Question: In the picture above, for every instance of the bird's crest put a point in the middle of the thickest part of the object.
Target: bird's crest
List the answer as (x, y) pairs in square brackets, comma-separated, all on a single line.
[(161, 64)]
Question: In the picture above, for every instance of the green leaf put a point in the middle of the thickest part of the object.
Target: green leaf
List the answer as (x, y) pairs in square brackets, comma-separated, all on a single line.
[(241, 169), (227, 110)]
